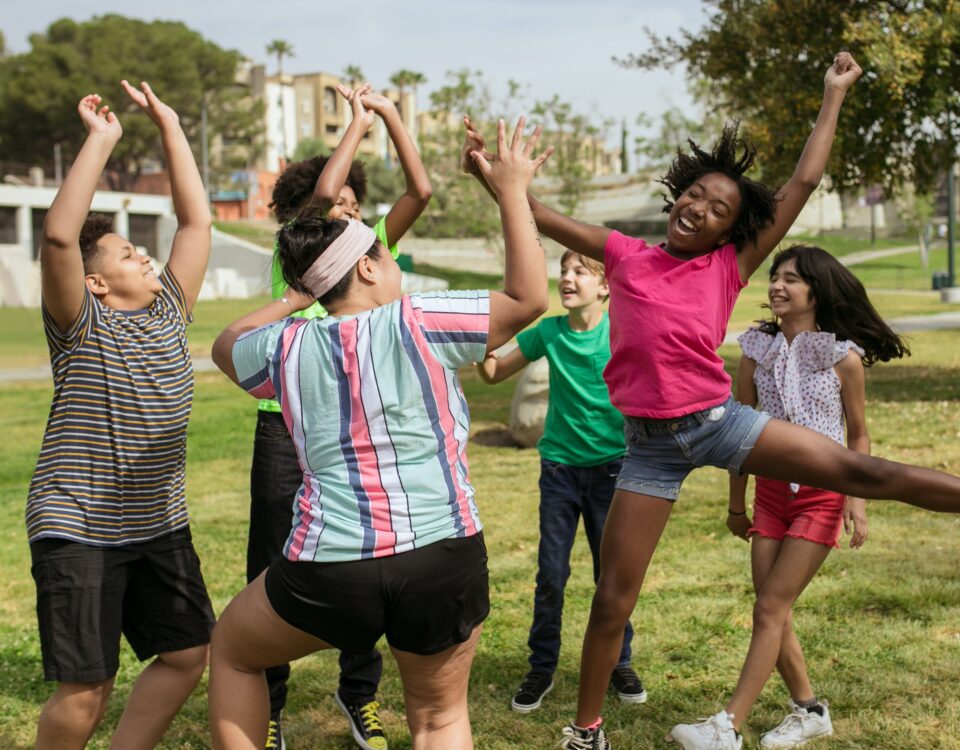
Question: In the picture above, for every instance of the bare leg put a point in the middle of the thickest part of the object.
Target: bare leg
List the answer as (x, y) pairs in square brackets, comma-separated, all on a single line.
[(435, 695), (70, 716), (792, 453), (249, 637), (797, 561), (790, 663), (161, 689), (630, 535)]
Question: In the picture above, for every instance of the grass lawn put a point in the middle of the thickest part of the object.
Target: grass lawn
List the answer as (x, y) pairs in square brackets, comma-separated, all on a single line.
[(881, 626)]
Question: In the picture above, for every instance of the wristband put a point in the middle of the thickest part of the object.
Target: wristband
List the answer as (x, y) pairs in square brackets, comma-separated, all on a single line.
[(287, 303), (736, 513)]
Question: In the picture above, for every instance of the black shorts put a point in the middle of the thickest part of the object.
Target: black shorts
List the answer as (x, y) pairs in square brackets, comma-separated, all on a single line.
[(151, 592), (424, 601)]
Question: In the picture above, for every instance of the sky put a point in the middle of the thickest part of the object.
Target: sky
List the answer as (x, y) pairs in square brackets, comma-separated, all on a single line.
[(554, 46)]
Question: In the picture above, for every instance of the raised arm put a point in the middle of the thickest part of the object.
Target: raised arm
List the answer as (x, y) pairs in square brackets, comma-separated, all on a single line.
[(524, 295), (414, 200), (191, 244), (583, 238), (335, 171), (793, 196), (61, 266), (737, 519)]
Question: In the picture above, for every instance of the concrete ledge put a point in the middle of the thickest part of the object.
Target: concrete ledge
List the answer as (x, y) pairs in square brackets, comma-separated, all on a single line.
[(950, 294)]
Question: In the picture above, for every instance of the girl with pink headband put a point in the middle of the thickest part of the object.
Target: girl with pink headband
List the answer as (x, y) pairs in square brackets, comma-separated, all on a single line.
[(385, 538)]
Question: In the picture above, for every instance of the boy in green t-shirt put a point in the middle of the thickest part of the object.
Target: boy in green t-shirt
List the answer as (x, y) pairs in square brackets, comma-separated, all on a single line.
[(580, 455)]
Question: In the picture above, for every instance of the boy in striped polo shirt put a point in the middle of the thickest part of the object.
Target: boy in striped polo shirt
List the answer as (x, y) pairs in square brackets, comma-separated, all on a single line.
[(106, 516)]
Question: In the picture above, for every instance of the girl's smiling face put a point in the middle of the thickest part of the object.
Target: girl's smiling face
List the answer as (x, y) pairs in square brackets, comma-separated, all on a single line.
[(788, 292), (703, 216)]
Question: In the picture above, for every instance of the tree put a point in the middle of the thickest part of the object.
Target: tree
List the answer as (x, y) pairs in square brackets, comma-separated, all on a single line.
[(404, 78), (574, 138), (307, 148), (354, 75), (763, 61), (41, 88), (281, 49), (460, 207)]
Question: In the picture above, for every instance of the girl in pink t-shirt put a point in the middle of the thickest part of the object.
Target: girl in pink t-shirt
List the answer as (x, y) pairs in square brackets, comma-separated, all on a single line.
[(804, 366), (669, 307)]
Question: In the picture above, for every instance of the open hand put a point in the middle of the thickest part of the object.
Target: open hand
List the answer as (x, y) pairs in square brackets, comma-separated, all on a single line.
[(843, 73), (161, 114), (855, 521), (472, 141), (100, 120), (355, 96), (513, 168)]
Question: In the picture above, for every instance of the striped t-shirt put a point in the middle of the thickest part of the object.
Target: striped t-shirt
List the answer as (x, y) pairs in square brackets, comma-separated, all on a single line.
[(112, 465), (378, 417)]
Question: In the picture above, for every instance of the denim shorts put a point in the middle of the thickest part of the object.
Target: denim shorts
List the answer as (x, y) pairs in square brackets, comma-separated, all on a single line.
[(661, 452)]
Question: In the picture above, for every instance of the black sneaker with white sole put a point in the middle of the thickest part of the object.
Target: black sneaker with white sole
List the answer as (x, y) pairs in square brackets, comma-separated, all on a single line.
[(530, 694), (627, 685)]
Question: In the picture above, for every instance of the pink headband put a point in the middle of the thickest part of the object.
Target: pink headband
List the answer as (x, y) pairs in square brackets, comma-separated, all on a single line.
[(339, 257)]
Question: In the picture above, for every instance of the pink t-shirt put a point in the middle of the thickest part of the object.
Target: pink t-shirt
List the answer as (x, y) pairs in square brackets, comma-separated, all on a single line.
[(667, 318)]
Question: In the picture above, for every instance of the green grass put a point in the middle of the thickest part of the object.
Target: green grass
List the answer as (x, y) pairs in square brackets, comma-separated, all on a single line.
[(259, 234), (841, 244), (880, 626)]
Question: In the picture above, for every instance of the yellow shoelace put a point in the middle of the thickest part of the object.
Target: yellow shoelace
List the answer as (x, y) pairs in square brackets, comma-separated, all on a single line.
[(369, 715)]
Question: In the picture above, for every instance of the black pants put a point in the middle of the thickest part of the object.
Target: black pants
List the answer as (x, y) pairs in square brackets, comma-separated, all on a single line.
[(275, 477)]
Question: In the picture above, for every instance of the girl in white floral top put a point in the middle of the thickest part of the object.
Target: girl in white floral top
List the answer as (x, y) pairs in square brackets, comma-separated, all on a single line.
[(805, 366)]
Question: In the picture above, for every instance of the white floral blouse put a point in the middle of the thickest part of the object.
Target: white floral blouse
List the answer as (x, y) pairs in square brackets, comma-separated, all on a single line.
[(796, 381)]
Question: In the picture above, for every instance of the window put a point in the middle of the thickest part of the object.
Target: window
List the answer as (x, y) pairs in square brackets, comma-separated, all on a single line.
[(330, 100), (8, 225), (143, 232)]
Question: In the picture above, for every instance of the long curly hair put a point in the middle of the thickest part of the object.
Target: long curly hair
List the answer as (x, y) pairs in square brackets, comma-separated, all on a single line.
[(731, 156), (843, 307), (294, 188)]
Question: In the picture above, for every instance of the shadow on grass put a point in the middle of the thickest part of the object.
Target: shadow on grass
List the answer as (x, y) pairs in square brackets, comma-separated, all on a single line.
[(495, 437)]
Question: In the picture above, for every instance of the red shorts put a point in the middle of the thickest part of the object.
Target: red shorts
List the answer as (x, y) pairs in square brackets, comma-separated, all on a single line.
[(811, 514)]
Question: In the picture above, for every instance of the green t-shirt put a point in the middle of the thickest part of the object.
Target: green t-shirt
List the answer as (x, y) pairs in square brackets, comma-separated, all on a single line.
[(278, 287), (582, 427)]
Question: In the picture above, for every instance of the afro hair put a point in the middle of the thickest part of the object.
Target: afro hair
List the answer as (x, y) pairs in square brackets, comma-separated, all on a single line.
[(757, 201), (294, 187)]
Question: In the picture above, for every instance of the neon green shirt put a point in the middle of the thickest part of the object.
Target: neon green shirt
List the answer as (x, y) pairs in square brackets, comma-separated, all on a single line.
[(278, 287)]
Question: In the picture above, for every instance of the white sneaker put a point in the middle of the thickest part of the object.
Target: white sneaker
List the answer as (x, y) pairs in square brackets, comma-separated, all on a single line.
[(798, 727), (715, 733)]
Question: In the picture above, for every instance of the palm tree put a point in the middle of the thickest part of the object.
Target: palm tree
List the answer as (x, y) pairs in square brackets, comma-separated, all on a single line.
[(353, 74), (281, 49), (403, 78)]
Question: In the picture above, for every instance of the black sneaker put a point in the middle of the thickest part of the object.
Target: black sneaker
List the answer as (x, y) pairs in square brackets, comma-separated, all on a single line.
[(365, 724), (575, 738), (530, 694), (628, 686), (275, 735)]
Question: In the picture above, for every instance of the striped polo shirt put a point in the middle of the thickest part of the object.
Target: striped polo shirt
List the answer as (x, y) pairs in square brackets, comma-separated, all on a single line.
[(378, 417), (112, 465)]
